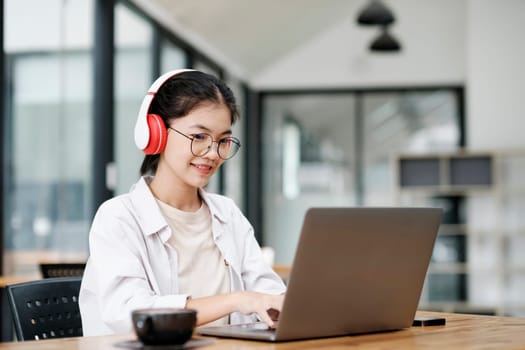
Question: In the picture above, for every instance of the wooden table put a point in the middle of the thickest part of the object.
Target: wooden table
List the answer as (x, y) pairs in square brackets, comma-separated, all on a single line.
[(5, 280), (283, 271), (460, 332)]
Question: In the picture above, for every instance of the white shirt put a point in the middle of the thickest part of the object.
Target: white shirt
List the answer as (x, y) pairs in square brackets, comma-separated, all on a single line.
[(202, 270), (132, 266)]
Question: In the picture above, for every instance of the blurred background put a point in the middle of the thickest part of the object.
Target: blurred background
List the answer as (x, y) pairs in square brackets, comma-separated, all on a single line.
[(344, 103)]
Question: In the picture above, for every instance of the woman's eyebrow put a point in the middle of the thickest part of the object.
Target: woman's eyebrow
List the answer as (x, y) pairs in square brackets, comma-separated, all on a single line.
[(202, 127)]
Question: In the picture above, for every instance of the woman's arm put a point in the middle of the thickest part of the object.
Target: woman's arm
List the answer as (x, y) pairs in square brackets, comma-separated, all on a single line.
[(121, 275), (214, 307)]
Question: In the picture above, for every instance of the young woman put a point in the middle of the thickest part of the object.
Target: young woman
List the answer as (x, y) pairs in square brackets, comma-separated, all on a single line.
[(169, 243)]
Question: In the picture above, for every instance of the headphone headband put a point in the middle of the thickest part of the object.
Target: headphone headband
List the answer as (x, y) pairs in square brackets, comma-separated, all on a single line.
[(142, 130)]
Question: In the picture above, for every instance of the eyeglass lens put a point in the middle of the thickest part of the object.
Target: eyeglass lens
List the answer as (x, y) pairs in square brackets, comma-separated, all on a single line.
[(203, 143)]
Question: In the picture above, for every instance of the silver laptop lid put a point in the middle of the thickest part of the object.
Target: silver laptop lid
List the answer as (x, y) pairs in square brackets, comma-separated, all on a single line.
[(357, 270)]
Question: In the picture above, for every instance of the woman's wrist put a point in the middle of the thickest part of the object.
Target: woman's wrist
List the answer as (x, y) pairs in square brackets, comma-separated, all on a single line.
[(235, 302)]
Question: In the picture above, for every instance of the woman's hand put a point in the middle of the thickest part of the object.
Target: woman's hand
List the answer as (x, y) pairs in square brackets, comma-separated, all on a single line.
[(266, 306)]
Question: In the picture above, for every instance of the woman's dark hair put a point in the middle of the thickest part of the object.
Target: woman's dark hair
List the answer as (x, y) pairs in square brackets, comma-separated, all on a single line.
[(180, 95)]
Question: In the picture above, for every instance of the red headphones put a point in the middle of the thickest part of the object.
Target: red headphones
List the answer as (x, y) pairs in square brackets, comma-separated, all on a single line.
[(150, 131)]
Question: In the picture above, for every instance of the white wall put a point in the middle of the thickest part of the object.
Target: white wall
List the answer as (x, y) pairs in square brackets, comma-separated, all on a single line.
[(495, 74), (432, 34), (477, 43)]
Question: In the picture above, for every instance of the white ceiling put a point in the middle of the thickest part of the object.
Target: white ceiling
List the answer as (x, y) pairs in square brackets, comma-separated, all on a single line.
[(249, 35)]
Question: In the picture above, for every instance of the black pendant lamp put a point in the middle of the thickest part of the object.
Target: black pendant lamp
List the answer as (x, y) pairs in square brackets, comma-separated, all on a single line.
[(376, 13), (385, 42)]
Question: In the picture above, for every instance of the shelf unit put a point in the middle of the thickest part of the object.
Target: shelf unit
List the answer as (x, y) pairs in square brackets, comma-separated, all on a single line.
[(478, 263)]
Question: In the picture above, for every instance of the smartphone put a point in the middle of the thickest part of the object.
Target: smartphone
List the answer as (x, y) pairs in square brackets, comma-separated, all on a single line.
[(428, 321)]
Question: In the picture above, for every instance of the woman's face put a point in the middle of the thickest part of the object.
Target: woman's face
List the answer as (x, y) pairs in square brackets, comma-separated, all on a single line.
[(184, 167)]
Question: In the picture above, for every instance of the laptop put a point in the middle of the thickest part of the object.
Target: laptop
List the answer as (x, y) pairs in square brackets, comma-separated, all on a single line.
[(355, 271)]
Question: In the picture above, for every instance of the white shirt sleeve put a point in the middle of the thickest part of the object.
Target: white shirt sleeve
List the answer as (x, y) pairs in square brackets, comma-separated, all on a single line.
[(118, 277)]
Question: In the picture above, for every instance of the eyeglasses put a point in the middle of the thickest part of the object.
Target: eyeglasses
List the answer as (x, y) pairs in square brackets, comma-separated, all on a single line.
[(202, 143)]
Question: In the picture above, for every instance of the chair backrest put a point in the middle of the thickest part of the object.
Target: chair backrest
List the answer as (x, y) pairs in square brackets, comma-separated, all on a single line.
[(46, 308), (62, 269)]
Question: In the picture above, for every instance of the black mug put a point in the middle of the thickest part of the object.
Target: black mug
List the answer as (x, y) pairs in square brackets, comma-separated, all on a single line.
[(164, 326)]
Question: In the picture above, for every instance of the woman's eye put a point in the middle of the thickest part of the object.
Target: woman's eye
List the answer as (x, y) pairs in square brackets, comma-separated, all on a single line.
[(200, 137), (225, 141)]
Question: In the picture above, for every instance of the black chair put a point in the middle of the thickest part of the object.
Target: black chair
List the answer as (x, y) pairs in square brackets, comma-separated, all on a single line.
[(62, 269), (46, 308)]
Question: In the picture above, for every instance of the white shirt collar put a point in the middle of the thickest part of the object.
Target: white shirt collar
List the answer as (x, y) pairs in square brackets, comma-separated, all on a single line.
[(151, 219)]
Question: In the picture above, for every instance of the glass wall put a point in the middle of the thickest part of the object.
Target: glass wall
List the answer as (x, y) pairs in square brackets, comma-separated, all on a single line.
[(403, 122), (232, 169), (309, 160), (172, 57), (48, 123), (133, 76), (336, 149)]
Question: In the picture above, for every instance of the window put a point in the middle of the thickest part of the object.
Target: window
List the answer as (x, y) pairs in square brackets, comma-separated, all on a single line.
[(48, 181), (309, 160), (133, 36), (335, 149)]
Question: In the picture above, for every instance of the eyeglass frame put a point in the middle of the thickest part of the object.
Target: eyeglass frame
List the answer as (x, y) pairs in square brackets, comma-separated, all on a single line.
[(233, 139)]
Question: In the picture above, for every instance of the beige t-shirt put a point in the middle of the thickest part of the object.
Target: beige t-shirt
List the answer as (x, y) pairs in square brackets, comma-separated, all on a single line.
[(201, 267)]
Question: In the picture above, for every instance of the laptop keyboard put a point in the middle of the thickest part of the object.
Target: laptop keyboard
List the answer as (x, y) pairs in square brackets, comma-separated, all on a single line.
[(247, 331), (254, 327)]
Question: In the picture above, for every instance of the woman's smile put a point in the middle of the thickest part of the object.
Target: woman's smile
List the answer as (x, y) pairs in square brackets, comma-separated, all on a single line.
[(203, 169)]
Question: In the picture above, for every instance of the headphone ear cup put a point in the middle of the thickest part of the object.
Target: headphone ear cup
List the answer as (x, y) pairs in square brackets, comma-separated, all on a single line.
[(157, 135)]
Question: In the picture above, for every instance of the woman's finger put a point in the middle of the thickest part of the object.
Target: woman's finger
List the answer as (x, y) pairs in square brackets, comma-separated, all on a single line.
[(266, 318)]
